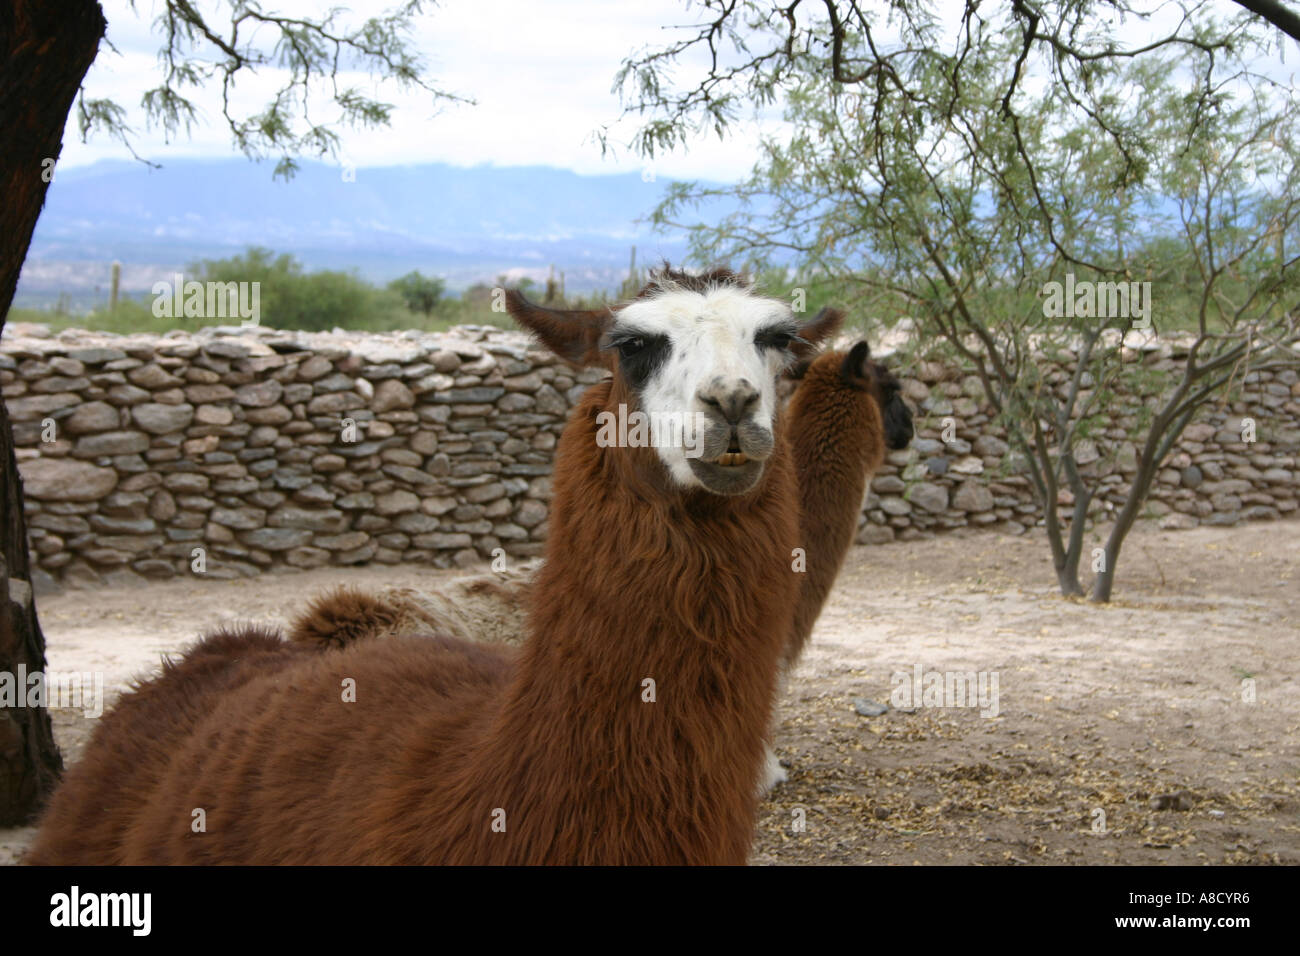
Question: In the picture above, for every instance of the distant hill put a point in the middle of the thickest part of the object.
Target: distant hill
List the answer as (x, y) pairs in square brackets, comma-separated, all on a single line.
[(464, 223)]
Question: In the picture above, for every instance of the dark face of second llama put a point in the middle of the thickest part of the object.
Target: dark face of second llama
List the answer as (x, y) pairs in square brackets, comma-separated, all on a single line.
[(695, 361), (861, 372)]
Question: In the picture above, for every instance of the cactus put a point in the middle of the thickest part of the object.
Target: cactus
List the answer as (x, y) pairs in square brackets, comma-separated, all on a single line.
[(117, 283)]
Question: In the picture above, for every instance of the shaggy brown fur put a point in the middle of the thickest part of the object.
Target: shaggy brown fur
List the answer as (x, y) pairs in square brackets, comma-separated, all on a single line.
[(489, 606), (344, 616), (453, 752), (845, 414)]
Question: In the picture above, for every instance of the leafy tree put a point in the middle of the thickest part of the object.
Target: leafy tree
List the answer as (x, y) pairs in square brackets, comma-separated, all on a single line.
[(955, 174), (46, 47), (421, 293)]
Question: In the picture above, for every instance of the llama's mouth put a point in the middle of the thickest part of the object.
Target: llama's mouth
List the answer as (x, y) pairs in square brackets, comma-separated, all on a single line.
[(731, 459), (731, 473)]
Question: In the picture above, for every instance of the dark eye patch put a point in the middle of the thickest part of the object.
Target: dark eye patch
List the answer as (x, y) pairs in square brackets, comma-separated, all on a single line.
[(640, 354), (780, 336)]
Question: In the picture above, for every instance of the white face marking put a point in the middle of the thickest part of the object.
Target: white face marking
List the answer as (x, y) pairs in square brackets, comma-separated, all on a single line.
[(712, 337)]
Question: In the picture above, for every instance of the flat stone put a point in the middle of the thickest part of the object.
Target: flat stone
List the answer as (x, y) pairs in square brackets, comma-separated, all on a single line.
[(207, 394), (971, 496), (892, 505), (307, 557), (111, 525), (91, 417), (391, 394), (342, 542), (34, 407), (239, 519), (63, 479), (160, 419), (276, 539), (213, 415), (226, 349), (272, 415), (152, 376), (259, 394), (379, 352), (396, 502), (96, 356), (314, 368), (868, 708), (111, 443), (334, 403), (313, 519), (930, 497), (989, 446), (442, 542), (357, 501), (482, 394), (127, 395)]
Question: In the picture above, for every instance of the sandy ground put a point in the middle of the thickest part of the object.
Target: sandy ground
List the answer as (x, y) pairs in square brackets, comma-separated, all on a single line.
[(1123, 733)]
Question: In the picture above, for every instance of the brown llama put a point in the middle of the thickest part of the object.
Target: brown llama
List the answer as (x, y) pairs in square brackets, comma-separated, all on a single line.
[(845, 414), (493, 606), (629, 728), (846, 411)]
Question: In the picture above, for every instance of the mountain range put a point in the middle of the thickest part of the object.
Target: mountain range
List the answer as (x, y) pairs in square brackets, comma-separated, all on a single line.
[(465, 224)]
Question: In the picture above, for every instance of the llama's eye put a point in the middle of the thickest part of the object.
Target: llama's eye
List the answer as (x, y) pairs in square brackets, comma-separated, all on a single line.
[(775, 339), (629, 347)]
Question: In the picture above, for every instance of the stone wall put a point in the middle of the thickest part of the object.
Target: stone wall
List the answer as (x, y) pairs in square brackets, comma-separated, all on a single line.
[(959, 471), (267, 449), (270, 449)]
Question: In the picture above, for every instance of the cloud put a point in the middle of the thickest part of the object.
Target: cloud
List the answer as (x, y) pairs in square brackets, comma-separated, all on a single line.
[(541, 76)]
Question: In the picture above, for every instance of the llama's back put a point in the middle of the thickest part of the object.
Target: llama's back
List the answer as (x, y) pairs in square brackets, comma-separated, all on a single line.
[(131, 747), (286, 749), (489, 606)]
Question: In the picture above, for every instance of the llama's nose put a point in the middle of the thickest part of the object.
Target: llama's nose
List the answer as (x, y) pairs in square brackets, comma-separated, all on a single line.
[(731, 398)]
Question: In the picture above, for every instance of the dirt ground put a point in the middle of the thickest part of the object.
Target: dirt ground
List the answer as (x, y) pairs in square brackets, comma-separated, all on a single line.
[(1124, 733)]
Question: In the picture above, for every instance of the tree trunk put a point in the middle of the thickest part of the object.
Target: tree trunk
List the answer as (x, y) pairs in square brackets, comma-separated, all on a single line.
[(46, 47), (1148, 464)]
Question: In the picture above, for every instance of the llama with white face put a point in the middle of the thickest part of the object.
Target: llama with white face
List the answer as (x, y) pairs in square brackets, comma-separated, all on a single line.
[(713, 354), (629, 727), (701, 354)]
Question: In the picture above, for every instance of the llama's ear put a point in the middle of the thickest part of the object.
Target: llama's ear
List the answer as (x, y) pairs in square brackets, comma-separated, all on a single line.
[(821, 327), (855, 370), (572, 334)]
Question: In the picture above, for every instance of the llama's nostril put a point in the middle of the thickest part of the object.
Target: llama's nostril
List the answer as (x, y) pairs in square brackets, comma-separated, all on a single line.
[(732, 400)]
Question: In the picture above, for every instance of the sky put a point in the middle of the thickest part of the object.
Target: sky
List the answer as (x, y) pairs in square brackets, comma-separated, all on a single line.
[(540, 71)]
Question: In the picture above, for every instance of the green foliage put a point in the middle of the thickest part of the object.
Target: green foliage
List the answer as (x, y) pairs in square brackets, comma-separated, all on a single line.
[(967, 178), (294, 299), (421, 293), (223, 43)]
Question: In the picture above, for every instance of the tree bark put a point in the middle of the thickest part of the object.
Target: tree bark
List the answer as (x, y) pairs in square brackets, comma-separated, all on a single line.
[(46, 47), (1275, 13)]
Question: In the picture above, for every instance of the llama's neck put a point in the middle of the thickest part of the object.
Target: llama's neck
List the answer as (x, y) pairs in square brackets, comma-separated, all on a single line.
[(838, 442), (646, 686)]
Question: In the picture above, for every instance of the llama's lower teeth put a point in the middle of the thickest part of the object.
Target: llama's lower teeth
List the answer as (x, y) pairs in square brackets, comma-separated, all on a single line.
[(732, 458)]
